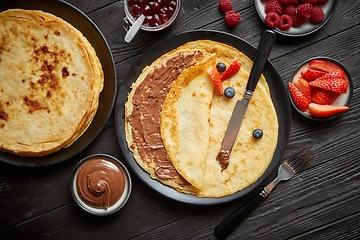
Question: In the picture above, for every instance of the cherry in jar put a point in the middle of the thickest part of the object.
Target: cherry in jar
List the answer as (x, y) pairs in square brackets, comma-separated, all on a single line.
[(156, 12)]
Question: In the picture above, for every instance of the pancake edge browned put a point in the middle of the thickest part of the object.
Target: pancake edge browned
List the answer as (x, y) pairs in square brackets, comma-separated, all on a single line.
[(97, 80)]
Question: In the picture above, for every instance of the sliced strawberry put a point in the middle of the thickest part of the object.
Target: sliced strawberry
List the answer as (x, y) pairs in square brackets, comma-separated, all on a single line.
[(322, 65), (318, 110), (324, 97), (311, 74), (331, 84), (300, 100), (231, 70), (334, 74), (314, 90), (215, 76), (303, 86)]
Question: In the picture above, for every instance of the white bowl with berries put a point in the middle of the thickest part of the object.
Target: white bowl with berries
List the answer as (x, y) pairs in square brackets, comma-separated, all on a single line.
[(321, 89), (295, 17)]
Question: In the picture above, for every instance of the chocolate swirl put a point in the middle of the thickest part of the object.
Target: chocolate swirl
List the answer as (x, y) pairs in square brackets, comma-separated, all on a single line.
[(100, 183)]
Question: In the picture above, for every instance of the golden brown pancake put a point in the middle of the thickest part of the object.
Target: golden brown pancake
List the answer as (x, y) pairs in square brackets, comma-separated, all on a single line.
[(249, 158), (50, 82), (194, 118), (143, 111), (185, 121)]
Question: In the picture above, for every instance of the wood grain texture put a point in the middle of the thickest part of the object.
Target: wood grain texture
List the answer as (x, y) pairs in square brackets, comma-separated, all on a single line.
[(319, 203)]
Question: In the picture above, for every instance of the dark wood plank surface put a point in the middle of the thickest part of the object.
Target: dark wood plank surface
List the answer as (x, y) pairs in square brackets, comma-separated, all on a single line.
[(319, 203)]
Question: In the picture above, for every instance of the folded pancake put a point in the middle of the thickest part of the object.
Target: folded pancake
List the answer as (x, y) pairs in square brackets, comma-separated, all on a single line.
[(176, 121), (185, 121), (143, 111), (50, 82), (249, 158)]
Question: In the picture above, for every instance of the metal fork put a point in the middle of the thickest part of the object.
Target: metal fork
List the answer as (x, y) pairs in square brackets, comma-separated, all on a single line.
[(286, 171)]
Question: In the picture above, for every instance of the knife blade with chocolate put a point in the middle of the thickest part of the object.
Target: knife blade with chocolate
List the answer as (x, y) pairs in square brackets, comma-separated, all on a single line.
[(261, 56)]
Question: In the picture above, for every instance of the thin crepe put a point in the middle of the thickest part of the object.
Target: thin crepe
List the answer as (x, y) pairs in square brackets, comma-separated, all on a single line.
[(249, 158), (146, 143), (50, 81), (185, 121)]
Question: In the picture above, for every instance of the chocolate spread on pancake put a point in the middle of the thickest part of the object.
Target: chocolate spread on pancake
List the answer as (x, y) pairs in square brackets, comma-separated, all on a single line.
[(148, 101), (100, 183), (223, 158)]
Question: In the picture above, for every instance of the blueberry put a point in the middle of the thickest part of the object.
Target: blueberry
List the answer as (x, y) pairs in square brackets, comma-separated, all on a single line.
[(257, 133), (229, 92), (221, 67)]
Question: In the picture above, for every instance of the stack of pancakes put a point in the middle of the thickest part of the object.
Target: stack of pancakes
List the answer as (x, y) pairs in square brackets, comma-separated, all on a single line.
[(190, 121), (50, 83)]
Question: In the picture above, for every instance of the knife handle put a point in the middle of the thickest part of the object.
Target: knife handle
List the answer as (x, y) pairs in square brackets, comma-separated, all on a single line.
[(227, 226), (261, 56)]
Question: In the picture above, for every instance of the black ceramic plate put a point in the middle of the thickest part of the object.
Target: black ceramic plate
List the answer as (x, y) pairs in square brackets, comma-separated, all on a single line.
[(79, 20), (278, 93), (306, 28)]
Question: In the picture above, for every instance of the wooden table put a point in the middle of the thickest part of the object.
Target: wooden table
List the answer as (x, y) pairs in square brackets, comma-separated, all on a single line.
[(319, 203)]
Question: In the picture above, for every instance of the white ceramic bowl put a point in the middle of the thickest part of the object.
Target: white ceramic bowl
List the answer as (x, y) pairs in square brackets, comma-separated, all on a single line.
[(97, 210)]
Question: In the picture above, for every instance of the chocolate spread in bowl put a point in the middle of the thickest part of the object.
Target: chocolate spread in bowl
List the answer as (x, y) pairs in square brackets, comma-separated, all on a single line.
[(100, 183), (145, 118)]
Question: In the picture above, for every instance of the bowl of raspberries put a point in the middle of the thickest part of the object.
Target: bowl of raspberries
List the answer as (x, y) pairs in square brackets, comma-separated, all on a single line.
[(321, 88), (295, 17)]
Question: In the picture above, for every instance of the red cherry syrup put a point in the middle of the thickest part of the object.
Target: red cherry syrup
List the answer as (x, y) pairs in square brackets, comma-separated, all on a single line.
[(156, 12)]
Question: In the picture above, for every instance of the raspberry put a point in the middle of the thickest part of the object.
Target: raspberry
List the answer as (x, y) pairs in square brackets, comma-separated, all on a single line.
[(320, 2), (289, 10), (295, 3), (298, 21), (317, 15), (285, 22), (304, 10), (309, 1), (232, 18), (225, 5), (273, 6), (272, 19), (286, 2)]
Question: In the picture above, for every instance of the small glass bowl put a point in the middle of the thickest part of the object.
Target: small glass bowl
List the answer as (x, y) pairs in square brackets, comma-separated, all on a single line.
[(95, 210), (342, 100), (129, 19)]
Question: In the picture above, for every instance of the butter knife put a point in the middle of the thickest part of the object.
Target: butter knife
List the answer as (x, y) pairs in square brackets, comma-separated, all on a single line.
[(261, 56)]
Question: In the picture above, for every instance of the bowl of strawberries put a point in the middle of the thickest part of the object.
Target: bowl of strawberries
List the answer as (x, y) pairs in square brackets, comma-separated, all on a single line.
[(321, 88)]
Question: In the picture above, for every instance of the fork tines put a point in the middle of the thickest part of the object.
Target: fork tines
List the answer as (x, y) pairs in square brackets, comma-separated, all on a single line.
[(298, 162)]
